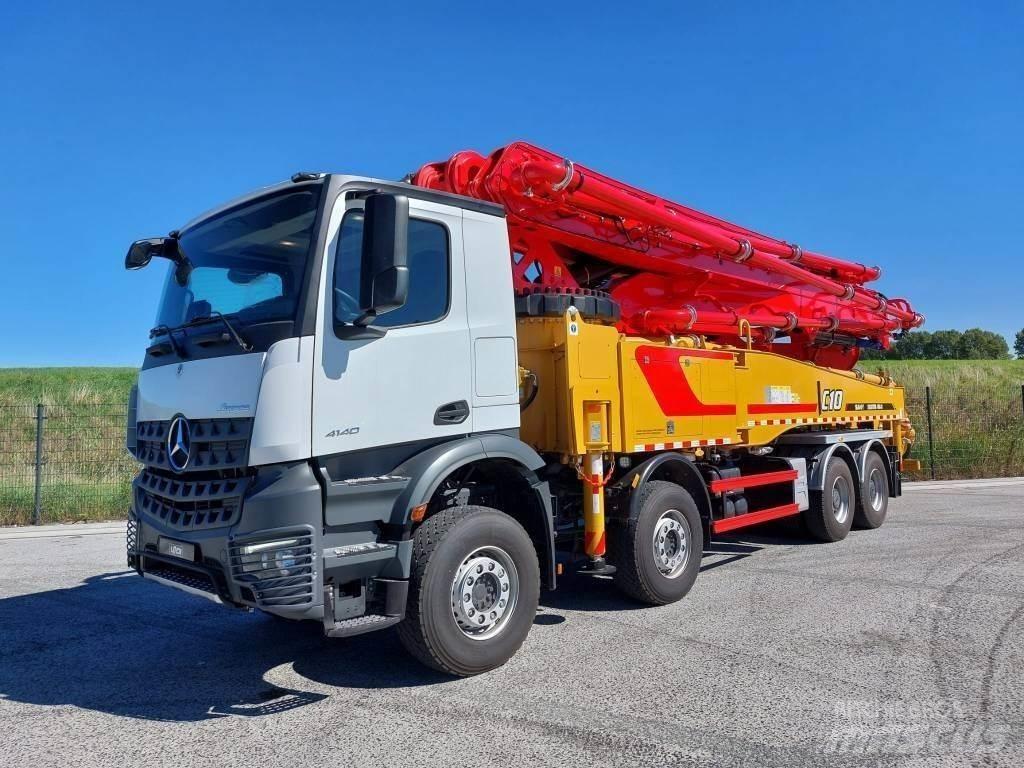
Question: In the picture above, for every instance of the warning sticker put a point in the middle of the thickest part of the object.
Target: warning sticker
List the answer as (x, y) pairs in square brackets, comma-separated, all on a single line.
[(780, 395)]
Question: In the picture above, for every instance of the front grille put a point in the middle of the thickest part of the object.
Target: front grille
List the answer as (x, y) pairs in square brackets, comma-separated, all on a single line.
[(274, 581), (216, 444), (190, 504)]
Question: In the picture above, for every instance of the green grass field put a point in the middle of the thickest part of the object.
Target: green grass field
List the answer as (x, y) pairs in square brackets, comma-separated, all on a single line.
[(985, 374), (977, 415), (977, 418), (86, 386)]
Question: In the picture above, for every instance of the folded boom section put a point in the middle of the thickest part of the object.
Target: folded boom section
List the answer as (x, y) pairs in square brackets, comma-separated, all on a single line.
[(672, 269)]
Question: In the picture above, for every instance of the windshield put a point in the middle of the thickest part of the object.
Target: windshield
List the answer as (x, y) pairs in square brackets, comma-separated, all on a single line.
[(247, 262)]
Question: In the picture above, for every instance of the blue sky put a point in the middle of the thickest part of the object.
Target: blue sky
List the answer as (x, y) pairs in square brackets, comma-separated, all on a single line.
[(888, 133)]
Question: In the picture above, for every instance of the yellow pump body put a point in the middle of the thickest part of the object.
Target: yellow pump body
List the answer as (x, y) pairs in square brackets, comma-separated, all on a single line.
[(601, 390), (602, 394)]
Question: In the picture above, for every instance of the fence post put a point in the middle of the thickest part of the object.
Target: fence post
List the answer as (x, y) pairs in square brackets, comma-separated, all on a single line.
[(931, 443), (1022, 398), (37, 507)]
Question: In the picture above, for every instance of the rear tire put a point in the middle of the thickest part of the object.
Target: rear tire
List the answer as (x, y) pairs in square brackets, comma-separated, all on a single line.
[(473, 591), (829, 516), (873, 499), (657, 553)]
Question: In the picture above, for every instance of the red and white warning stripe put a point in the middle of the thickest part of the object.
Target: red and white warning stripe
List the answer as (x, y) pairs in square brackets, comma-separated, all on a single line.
[(647, 447), (815, 420), (594, 542)]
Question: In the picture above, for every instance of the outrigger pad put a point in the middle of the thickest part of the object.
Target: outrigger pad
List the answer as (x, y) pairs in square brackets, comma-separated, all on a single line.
[(597, 566)]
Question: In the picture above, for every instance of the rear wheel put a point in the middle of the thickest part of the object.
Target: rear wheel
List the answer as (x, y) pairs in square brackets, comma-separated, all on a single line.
[(873, 502), (829, 515), (657, 553), (473, 590)]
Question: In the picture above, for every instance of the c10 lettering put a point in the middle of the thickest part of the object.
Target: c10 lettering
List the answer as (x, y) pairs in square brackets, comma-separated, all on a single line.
[(831, 400)]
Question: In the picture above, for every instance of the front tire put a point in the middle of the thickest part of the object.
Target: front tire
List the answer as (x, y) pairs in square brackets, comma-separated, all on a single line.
[(829, 515), (657, 553), (473, 590), (873, 500)]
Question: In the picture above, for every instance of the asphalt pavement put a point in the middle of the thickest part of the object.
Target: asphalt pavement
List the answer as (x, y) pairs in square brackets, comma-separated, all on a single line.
[(901, 646)]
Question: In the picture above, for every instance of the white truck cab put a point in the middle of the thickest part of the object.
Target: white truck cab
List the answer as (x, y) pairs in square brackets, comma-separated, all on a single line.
[(334, 357)]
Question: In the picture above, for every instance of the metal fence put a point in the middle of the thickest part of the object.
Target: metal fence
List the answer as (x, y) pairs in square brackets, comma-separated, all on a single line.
[(67, 462), (63, 462), (967, 431)]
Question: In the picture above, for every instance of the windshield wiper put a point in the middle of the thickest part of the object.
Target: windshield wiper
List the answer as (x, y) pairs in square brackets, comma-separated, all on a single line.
[(245, 345), (169, 332)]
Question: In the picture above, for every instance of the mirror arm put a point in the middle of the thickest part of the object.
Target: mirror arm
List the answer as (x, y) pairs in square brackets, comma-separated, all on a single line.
[(183, 266), (355, 331)]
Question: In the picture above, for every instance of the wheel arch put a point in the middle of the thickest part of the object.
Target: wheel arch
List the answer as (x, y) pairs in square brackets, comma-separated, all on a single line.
[(504, 459), (816, 480), (674, 468)]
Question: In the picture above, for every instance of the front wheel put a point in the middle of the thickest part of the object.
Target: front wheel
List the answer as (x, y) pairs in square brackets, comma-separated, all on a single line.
[(473, 590), (657, 552)]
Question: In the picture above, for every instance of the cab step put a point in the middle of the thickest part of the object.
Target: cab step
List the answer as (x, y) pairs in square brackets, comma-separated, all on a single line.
[(359, 625)]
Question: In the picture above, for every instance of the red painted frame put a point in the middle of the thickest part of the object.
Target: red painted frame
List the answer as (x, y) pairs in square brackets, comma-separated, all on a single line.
[(752, 481), (753, 518)]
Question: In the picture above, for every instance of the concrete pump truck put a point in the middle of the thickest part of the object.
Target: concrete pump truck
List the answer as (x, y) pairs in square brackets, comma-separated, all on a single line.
[(372, 403)]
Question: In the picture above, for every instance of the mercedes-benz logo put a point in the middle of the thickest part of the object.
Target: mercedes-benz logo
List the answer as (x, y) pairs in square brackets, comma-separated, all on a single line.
[(179, 443)]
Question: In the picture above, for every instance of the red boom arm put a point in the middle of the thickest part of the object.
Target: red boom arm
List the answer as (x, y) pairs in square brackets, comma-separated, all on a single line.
[(672, 269)]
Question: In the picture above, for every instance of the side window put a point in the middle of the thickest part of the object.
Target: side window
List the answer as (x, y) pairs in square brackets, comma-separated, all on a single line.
[(429, 278)]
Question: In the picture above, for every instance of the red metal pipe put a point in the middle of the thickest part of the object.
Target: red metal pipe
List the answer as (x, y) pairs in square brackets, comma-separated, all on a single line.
[(657, 321), (840, 268), (565, 179)]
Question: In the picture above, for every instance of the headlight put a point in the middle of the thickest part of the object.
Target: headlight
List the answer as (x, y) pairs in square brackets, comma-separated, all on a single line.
[(263, 546), (280, 555), (282, 560)]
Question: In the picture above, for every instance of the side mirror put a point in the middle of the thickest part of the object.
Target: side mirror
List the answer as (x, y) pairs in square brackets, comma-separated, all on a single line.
[(141, 252), (384, 275)]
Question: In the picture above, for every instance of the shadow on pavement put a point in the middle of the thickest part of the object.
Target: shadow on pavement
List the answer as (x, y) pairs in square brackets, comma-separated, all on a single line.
[(123, 646), (789, 531), (120, 645), (578, 592)]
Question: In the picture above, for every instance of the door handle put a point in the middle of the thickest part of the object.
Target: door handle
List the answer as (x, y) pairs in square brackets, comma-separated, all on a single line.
[(452, 413)]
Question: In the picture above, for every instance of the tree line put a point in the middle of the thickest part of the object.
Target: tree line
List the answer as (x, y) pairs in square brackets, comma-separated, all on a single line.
[(972, 344)]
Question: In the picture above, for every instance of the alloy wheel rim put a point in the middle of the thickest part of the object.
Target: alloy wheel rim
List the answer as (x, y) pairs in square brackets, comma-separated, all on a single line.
[(840, 499), (671, 543), (484, 594), (876, 489)]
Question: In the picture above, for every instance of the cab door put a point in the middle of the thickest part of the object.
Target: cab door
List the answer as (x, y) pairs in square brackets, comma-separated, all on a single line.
[(413, 382)]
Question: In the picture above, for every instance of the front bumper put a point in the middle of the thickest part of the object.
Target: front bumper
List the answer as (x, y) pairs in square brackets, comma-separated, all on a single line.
[(273, 552)]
